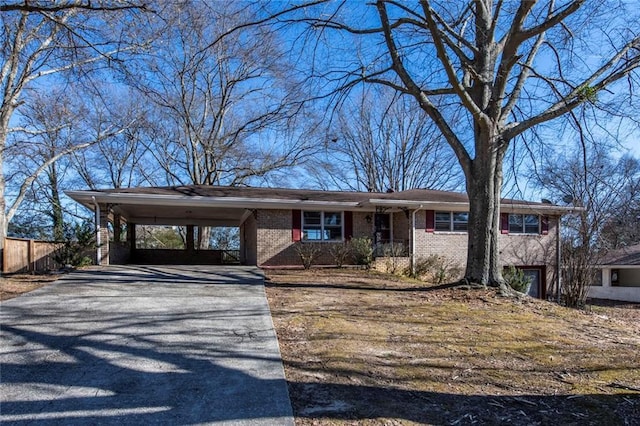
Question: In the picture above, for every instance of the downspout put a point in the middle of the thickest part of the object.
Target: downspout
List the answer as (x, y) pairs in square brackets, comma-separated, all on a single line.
[(413, 240), (558, 260), (98, 242)]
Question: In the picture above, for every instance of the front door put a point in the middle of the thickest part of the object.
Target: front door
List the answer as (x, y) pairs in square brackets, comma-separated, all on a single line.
[(383, 228)]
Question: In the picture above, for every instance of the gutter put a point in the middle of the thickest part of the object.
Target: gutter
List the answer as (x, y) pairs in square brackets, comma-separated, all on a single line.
[(84, 198), (413, 239), (98, 242), (464, 206)]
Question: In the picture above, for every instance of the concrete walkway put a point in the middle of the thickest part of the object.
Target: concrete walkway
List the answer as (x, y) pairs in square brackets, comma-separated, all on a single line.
[(143, 345)]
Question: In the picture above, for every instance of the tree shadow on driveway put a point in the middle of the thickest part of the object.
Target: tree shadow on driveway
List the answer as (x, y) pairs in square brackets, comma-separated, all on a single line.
[(142, 346)]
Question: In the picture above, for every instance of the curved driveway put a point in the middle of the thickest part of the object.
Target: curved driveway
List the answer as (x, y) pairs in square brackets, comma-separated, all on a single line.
[(143, 345)]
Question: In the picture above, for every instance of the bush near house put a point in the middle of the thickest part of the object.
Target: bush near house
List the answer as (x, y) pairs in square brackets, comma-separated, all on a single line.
[(362, 251), (436, 270), (309, 252), (342, 253), (516, 279), (78, 240)]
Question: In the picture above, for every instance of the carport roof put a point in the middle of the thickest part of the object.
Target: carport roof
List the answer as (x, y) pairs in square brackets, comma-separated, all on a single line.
[(231, 203), (629, 255)]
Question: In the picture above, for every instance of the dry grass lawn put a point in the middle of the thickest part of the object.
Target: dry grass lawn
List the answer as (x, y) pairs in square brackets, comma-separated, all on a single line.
[(14, 285), (364, 348)]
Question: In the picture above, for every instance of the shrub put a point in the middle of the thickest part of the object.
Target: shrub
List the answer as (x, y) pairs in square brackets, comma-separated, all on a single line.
[(362, 249), (437, 269), (341, 253), (308, 252), (392, 253), (578, 274), (78, 239), (516, 279)]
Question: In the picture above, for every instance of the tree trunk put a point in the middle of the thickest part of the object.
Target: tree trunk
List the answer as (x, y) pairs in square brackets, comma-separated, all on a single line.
[(484, 184), (56, 206), (3, 215), (4, 122), (204, 234)]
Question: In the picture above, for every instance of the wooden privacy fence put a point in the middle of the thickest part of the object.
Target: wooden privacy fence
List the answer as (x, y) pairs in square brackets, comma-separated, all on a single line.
[(20, 255)]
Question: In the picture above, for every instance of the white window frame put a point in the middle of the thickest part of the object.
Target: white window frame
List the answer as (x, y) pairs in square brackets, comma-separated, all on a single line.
[(524, 227), (451, 228), (322, 225)]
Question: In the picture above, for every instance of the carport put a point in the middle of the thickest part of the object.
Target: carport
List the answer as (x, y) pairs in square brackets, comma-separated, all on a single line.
[(159, 206)]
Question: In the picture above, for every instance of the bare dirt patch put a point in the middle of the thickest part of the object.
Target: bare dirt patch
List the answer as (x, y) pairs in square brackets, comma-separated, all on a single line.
[(365, 348), (15, 285)]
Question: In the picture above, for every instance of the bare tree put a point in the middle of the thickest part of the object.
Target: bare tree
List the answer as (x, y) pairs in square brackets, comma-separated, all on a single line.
[(40, 41), (224, 103), (604, 187), (382, 144), (54, 125), (49, 127), (120, 161), (219, 96), (622, 228), (504, 67)]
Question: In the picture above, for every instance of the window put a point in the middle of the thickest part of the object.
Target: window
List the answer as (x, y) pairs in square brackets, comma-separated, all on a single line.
[(460, 221), (524, 224), (443, 221), (452, 221), (322, 226)]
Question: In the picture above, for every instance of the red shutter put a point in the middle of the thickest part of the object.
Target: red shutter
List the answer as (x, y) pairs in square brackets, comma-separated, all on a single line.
[(431, 220), (348, 225), (544, 225), (504, 223), (296, 225)]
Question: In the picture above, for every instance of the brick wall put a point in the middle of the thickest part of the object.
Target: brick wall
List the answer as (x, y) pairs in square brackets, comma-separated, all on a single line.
[(104, 236), (249, 241), (531, 250), (401, 225), (362, 227), (274, 238), (515, 249), (274, 242), (274, 245)]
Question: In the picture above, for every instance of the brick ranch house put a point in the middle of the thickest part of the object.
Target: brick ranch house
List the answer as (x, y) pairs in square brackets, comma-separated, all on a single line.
[(271, 221)]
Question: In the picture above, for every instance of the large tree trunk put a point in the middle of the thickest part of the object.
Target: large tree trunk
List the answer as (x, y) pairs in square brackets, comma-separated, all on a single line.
[(484, 185)]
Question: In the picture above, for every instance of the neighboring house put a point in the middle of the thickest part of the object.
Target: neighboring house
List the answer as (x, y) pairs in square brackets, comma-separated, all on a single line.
[(417, 223), (620, 272)]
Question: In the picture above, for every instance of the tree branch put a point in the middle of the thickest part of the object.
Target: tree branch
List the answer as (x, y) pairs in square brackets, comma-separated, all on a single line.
[(437, 37), (49, 6), (576, 97)]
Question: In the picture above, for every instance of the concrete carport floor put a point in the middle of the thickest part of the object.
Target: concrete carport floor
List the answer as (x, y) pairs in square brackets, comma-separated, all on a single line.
[(143, 345)]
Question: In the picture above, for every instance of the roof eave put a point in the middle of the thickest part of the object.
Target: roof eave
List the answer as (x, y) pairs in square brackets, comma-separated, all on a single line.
[(87, 198), (507, 207)]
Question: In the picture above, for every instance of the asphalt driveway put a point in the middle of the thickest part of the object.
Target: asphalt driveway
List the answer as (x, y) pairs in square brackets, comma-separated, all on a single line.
[(143, 345)]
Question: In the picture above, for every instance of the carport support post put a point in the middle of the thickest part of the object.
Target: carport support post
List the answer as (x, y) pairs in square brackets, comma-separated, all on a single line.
[(117, 224), (102, 233), (131, 237), (190, 239)]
